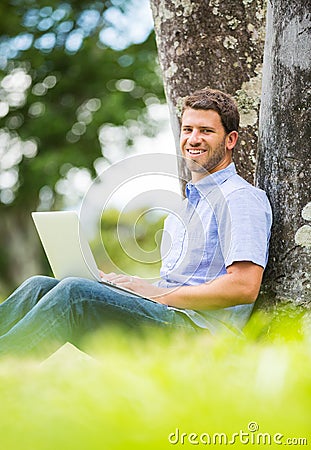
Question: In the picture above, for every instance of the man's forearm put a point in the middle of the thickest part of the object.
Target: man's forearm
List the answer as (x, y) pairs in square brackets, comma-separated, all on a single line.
[(219, 293), (231, 289)]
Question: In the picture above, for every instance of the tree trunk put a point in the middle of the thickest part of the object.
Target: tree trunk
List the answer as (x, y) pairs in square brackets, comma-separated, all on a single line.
[(20, 250), (283, 168), (217, 44)]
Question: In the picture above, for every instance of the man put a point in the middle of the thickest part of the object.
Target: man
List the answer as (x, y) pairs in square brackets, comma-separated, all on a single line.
[(210, 277)]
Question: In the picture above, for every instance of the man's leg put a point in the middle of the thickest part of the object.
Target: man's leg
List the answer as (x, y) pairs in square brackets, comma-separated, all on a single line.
[(77, 306)]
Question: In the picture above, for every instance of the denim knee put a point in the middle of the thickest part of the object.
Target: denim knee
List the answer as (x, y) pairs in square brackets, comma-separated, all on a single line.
[(70, 282), (72, 287)]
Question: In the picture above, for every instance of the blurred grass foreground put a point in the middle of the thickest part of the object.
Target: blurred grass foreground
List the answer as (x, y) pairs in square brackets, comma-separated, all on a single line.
[(160, 390)]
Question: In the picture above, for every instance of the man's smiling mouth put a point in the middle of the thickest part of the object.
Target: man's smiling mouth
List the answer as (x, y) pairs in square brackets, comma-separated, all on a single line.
[(195, 152)]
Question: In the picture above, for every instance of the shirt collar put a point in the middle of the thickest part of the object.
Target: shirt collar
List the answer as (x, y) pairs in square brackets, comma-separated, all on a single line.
[(206, 184)]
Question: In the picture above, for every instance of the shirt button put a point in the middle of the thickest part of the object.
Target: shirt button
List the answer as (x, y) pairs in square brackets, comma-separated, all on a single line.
[(169, 265)]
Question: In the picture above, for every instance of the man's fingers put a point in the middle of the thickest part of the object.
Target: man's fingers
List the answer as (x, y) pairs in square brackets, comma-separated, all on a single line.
[(119, 278)]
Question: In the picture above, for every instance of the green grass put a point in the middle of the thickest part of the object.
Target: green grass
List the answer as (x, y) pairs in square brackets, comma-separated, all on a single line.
[(134, 391)]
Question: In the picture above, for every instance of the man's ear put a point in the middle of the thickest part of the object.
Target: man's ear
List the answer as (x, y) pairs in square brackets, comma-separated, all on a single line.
[(231, 140)]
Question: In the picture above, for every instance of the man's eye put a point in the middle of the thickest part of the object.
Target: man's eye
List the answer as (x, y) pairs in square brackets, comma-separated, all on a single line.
[(187, 130), (206, 130)]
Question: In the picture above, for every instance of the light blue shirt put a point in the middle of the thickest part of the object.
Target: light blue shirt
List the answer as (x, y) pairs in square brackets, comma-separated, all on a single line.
[(222, 220)]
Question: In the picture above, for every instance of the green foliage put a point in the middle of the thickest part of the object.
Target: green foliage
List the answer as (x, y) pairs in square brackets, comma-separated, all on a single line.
[(136, 390), (66, 93)]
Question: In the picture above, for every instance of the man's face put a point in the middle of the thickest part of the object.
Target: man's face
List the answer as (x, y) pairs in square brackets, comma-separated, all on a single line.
[(203, 142)]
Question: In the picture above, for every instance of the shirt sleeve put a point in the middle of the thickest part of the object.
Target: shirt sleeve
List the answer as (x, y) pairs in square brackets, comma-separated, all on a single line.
[(245, 225)]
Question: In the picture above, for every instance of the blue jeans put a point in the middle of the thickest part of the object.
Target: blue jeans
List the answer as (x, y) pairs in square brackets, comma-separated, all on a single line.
[(44, 313)]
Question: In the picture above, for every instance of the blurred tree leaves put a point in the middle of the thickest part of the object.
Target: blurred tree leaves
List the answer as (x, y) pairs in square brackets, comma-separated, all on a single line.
[(70, 91), (60, 82)]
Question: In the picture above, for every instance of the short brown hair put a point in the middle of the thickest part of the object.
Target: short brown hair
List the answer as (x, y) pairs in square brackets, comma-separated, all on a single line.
[(218, 101)]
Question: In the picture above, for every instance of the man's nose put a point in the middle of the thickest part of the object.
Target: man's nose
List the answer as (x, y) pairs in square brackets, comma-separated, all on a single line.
[(195, 138)]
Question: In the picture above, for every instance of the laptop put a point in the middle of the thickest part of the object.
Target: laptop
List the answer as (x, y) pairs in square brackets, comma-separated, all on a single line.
[(67, 248)]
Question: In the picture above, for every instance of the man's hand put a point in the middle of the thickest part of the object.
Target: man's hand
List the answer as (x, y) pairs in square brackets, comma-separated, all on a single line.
[(135, 284)]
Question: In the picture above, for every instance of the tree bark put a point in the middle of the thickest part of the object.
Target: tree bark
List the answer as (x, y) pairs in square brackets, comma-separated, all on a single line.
[(283, 168), (217, 44)]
